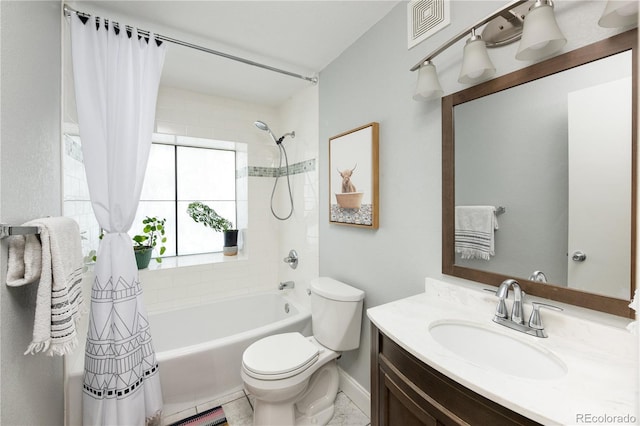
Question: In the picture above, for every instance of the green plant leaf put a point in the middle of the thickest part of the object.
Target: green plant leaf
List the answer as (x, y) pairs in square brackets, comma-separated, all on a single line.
[(152, 226)]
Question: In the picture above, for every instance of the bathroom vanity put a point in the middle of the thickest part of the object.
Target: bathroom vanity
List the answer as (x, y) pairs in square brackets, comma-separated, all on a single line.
[(410, 392), (478, 372)]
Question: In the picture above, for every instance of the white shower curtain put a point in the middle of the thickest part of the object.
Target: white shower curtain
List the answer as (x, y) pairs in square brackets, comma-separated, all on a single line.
[(116, 84)]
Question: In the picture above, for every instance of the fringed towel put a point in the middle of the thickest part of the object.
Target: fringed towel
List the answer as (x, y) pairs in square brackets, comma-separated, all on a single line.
[(474, 231), (56, 259)]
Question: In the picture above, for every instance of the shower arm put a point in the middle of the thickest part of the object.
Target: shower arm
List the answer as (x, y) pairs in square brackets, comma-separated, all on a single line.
[(263, 126), (292, 134)]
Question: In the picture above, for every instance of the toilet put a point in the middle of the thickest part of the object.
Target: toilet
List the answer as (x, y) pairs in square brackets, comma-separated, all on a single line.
[(294, 378)]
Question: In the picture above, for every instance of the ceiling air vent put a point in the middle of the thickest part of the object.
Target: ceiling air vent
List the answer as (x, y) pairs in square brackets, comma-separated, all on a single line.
[(425, 18)]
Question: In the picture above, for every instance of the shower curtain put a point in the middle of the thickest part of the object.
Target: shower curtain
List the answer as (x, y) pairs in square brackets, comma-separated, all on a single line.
[(116, 84)]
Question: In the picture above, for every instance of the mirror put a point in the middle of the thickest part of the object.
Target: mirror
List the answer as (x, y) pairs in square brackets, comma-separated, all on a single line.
[(521, 142)]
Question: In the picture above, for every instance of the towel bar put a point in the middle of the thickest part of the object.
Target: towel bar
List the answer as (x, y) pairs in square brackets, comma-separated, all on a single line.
[(7, 230), (500, 210)]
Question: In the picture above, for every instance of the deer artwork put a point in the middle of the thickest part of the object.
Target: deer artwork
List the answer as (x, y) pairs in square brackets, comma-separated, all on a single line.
[(347, 185)]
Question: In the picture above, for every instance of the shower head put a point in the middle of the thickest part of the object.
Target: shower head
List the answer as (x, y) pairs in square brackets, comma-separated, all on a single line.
[(263, 126)]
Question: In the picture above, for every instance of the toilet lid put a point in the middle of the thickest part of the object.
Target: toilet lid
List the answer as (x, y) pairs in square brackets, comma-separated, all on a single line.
[(280, 354)]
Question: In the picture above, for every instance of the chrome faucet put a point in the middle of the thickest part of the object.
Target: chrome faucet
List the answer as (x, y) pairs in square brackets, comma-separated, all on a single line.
[(517, 314), (538, 276), (286, 284), (516, 322)]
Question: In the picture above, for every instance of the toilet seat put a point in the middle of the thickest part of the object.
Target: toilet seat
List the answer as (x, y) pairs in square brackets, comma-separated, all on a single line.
[(279, 356)]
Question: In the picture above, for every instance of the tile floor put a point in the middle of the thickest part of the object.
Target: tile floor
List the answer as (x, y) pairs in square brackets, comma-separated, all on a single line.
[(237, 408)]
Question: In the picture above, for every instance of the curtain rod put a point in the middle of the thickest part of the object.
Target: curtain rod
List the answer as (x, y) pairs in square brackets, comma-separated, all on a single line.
[(67, 10), (467, 31)]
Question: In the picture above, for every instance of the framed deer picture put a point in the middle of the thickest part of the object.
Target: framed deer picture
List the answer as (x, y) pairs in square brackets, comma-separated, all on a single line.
[(353, 177)]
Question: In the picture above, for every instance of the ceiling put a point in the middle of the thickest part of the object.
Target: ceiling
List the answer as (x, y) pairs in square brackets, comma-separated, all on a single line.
[(301, 36)]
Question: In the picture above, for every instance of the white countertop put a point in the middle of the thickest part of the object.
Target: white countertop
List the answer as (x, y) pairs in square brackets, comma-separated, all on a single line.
[(602, 376)]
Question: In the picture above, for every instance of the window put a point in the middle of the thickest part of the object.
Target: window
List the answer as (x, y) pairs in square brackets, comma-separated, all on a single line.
[(180, 170), (177, 175)]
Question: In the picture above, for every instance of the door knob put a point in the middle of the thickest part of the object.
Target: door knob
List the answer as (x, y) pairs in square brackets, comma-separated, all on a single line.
[(578, 256)]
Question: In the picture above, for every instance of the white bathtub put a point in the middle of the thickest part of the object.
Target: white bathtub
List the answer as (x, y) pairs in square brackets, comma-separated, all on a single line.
[(199, 349)]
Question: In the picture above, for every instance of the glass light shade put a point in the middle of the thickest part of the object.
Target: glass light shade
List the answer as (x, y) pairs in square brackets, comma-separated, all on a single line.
[(476, 64), (619, 13), (541, 35), (428, 86)]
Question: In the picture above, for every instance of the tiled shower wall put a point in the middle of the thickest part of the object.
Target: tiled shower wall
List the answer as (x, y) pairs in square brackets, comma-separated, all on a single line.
[(259, 266), (267, 241)]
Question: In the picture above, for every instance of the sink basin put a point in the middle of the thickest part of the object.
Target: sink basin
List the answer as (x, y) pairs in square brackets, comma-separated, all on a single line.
[(482, 346)]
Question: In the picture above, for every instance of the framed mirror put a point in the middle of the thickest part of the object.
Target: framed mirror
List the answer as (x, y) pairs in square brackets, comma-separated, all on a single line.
[(553, 148)]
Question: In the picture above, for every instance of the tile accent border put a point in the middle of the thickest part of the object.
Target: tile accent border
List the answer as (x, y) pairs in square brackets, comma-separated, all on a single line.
[(294, 169)]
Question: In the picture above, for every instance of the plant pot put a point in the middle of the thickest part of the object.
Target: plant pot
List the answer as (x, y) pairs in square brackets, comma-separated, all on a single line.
[(230, 247), (143, 256)]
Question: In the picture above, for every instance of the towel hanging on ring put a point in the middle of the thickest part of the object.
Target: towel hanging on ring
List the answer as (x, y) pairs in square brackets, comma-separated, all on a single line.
[(475, 228)]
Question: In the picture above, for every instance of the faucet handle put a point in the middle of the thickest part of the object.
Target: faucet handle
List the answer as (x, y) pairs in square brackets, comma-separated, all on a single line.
[(535, 321), (501, 309), (292, 259)]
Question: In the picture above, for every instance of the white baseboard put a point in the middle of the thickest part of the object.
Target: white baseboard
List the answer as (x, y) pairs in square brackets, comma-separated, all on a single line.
[(356, 393)]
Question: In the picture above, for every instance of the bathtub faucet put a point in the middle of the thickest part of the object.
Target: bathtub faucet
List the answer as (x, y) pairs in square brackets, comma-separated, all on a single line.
[(286, 284)]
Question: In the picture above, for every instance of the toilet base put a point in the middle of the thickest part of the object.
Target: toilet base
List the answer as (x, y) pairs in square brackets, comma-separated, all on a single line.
[(271, 413), (314, 406), (321, 418)]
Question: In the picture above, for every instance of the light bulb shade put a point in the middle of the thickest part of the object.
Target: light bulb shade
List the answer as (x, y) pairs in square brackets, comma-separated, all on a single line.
[(619, 13), (541, 35), (428, 86), (476, 64)]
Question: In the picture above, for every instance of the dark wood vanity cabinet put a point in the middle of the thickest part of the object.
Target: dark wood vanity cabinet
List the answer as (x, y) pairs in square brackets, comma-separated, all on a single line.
[(406, 392)]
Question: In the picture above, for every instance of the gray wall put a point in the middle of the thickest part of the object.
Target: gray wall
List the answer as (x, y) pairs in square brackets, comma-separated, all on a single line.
[(371, 82), (31, 388)]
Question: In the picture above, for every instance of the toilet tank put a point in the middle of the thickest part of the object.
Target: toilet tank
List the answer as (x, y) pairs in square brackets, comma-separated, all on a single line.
[(336, 314)]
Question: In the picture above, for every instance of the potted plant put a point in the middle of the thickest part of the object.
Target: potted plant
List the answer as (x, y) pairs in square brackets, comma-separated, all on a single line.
[(145, 243), (201, 213)]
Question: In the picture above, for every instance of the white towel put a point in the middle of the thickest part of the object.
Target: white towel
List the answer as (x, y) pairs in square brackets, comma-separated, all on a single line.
[(25, 260), (59, 302), (474, 231)]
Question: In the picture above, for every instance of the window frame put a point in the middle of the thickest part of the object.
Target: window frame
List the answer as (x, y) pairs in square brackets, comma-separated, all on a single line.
[(194, 143), (91, 227)]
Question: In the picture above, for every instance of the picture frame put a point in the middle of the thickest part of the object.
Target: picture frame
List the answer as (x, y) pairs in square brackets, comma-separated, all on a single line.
[(353, 177)]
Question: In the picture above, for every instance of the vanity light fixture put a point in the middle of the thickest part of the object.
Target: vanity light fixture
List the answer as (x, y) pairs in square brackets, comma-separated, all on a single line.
[(476, 64), (619, 13), (541, 35), (541, 38), (428, 86)]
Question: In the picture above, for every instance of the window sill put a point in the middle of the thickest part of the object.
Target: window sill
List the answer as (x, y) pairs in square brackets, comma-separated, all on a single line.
[(193, 260)]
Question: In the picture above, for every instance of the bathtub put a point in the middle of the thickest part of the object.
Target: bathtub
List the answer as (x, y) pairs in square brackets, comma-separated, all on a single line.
[(199, 349)]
